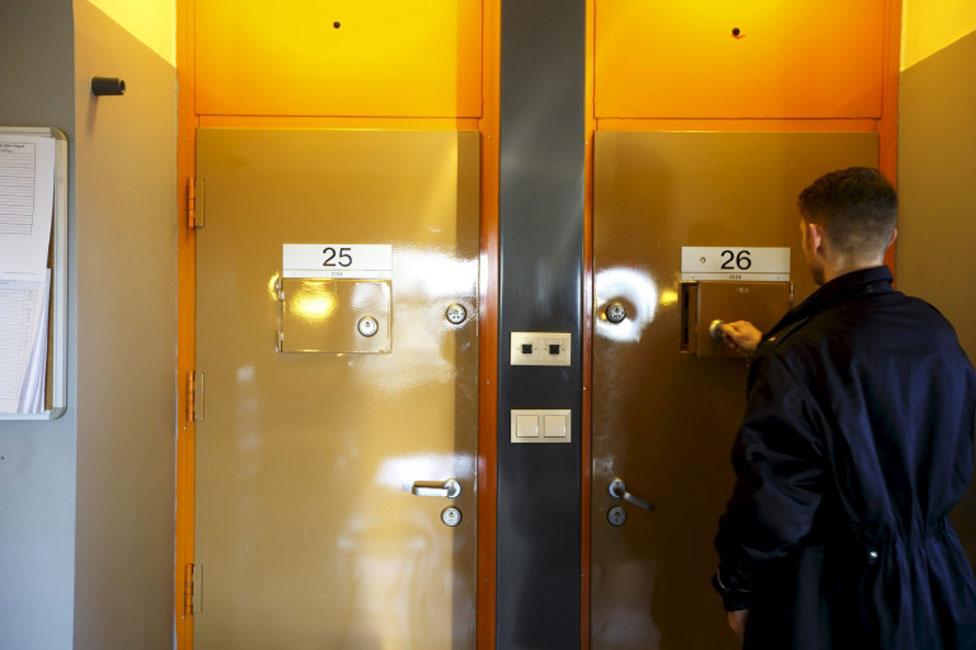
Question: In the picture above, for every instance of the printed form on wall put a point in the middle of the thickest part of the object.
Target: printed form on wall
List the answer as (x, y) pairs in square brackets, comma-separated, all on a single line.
[(27, 166)]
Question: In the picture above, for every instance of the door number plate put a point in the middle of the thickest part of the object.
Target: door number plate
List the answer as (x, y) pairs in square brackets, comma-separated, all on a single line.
[(346, 261), (752, 263)]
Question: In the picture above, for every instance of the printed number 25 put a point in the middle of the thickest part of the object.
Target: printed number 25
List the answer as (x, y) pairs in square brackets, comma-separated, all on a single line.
[(343, 255), (742, 261)]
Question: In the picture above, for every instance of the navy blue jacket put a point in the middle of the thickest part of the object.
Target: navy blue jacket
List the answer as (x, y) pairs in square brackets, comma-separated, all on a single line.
[(856, 444)]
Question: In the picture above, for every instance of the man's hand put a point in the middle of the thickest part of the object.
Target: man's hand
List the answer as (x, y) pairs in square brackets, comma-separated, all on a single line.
[(742, 336), (738, 620)]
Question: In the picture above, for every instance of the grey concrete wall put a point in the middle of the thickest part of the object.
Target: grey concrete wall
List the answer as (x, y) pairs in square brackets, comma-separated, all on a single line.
[(127, 227), (37, 459), (936, 162), (87, 501)]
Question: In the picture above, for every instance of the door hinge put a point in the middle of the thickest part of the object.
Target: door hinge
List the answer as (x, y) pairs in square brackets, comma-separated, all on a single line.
[(188, 591), (196, 385), (196, 203)]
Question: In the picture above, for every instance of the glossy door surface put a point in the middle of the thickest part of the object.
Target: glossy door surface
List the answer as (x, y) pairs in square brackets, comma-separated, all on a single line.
[(664, 421), (306, 527)]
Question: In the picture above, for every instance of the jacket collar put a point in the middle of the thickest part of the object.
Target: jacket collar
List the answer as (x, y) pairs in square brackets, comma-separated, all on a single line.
[(874, 280)]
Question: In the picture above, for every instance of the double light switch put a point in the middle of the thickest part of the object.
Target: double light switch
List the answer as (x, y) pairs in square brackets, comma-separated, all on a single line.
[(541, 425)]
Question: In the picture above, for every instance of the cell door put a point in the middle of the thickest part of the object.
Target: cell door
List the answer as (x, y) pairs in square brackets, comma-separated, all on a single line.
[(335, 461), (666, 399)]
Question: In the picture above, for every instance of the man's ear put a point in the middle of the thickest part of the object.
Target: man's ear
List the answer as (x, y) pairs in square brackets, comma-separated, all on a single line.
[(815, 236), (891, 240)]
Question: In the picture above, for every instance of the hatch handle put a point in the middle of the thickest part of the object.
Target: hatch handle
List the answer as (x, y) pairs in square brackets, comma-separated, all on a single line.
[(715, 330)]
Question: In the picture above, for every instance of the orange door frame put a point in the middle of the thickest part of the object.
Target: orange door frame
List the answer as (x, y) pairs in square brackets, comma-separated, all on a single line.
[(189, 120), (489, 126), (887, 129), (187, 123)]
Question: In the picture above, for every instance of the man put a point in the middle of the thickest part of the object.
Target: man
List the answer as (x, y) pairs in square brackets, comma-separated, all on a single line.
[(856, 444)]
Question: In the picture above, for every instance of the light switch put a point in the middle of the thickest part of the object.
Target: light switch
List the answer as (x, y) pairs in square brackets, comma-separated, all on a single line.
[(556, 426), (527, 426), (541, 425), (541, 349)]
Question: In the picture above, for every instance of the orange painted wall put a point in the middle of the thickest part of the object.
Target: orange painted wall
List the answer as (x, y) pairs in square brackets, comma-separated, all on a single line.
[(342, 58), (722, 59)]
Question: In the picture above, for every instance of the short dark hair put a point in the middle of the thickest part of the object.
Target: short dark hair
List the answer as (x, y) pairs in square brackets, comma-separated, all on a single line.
[(857, 207)]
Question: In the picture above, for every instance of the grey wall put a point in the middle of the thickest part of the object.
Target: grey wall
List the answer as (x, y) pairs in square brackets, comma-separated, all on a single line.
[(126, 217), (87, 501), (37, 460), (936, 162), (541, 228)]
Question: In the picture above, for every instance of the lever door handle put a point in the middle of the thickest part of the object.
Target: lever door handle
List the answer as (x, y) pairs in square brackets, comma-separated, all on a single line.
[(618, 490), (449, 489)]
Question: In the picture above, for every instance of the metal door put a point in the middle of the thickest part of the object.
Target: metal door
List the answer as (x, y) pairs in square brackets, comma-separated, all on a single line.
[(307, 530), (664, 422)]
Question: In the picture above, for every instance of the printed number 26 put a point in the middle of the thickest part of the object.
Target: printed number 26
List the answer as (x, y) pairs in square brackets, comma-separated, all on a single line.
[(742, 261), (343, 256)]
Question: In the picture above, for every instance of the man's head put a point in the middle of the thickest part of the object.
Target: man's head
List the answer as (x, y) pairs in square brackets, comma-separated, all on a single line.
[(847, 222)]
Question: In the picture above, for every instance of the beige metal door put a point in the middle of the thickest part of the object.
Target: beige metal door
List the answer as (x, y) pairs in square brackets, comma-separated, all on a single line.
[(306, 526), (664, 421)]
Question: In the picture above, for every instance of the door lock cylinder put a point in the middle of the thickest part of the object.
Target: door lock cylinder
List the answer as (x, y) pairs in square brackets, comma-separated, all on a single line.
[(456, 314), (368, 326), (615, 313), (617, 516), (451, 516)]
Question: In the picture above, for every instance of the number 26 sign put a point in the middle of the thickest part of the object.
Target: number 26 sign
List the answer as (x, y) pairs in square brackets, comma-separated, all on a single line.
[(752, 263), (350, 261)]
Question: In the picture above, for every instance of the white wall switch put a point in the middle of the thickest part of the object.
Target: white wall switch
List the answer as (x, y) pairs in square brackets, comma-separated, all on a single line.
[(541, 425), (526, 426), (541, 349), (555, 426)]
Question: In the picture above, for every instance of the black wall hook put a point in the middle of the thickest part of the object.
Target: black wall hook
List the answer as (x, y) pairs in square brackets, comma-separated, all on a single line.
[(107, 86)]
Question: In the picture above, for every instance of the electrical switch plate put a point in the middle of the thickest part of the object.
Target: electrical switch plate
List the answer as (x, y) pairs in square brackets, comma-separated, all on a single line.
[(526, 426), (541, 425), (541, 348), (555, 426)]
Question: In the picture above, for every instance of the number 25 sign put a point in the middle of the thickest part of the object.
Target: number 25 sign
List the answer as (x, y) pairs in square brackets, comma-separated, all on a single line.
[(752, 263), (350, 261)]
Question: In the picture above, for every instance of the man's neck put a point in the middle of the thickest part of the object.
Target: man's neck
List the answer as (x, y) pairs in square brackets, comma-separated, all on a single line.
[(833, 272)]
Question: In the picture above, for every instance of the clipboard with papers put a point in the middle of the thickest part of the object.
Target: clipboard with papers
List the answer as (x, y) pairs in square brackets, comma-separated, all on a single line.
[(33, 273)]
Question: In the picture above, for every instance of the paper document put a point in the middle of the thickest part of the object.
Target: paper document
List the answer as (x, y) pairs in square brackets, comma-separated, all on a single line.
[(33, 392), (26, 205), (23, 345)]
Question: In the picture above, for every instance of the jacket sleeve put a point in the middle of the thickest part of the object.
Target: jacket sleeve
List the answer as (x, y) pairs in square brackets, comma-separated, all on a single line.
[(778, 461)]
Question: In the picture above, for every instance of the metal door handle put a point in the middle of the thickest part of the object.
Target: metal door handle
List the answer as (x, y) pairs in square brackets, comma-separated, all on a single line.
[(618, 490), (449, 489), (715, 330)]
